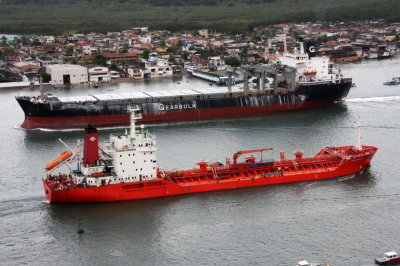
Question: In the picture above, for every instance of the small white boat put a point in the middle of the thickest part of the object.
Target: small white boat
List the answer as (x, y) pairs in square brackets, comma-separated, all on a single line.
[(388, 257)]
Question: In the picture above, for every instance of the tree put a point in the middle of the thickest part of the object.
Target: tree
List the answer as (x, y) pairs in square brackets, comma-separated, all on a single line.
[(171, 50), (172, 60), (232, 61), (8, 52), (25, 40), (45, 77), (146, 53), (185, 55), (69, 51), (100, 60), (4, 41)]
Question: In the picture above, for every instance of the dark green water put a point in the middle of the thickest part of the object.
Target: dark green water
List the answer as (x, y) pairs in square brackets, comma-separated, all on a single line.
[(344, 221)]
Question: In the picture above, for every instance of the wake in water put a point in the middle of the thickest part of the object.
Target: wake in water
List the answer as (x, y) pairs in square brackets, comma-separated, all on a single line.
[(374, 99)]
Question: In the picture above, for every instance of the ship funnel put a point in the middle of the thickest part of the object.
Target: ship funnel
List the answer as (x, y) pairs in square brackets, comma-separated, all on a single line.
[(91, 147), (282, 156)]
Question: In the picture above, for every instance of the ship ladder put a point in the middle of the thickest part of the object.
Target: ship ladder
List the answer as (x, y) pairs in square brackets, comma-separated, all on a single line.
[(215, 173), (341, 161), (295, 164), (166, 177)]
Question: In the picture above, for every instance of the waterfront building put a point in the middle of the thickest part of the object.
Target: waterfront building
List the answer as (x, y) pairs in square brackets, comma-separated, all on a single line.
[(66, 74), (99, 74)]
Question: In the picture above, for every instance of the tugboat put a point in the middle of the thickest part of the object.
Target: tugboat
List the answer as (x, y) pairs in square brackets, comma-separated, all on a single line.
[(127, 169), (388, 258)]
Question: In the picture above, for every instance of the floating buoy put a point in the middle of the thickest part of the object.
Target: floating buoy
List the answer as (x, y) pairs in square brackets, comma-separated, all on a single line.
[(80, 229)]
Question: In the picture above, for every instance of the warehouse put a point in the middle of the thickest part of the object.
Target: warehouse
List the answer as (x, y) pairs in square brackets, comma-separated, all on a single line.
[(65, 74)]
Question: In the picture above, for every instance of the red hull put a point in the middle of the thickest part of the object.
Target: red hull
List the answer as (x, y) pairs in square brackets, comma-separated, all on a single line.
[(164, 187), (32, 122), (382, 261)]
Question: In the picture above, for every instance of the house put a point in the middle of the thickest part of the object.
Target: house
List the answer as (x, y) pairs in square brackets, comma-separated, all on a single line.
[(84, 47), (158, 68)]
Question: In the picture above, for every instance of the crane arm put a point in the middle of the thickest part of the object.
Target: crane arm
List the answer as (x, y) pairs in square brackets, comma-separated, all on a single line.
[(236, 155)]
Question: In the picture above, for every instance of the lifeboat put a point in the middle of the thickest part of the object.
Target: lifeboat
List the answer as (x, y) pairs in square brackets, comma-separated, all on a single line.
[(57, 161), (308, 73)]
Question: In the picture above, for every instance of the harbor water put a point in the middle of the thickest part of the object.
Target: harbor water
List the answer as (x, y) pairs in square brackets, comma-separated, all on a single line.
[(342, 221)]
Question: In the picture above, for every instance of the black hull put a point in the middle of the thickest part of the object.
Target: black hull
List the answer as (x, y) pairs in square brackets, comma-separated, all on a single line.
[(162, 109)]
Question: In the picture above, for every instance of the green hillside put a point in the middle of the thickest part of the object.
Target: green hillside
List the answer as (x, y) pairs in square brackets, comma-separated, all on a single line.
[(55, 16)]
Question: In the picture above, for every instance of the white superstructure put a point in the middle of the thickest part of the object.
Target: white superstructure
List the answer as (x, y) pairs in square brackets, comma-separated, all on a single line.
[(130, 157), (134, 154), (309, 69)]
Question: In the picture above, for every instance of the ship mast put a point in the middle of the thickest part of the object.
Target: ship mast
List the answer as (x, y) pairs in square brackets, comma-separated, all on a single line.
[(358, 137), (132, 111), (41, 87)]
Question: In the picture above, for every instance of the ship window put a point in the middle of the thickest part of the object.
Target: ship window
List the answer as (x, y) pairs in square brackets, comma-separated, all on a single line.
[(129, 154), (141, 169), (120, 163), (154, 168), (133, 161), (144, 153), (123, 171), (120, 155), (144, 160)]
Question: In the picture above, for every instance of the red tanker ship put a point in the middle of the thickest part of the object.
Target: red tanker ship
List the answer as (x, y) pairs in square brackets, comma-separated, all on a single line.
[(127, 170)]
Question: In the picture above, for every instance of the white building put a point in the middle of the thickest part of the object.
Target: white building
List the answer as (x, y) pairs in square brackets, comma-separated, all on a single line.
[(146, 39), (66, 74), (158, 68), (138, 73), (218, 62), (99, 74)]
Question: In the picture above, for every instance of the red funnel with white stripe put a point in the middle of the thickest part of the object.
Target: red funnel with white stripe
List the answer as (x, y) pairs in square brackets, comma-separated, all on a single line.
[(91, 147)]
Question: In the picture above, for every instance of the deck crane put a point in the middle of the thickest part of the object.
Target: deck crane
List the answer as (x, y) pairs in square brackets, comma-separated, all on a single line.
[(236, 155)]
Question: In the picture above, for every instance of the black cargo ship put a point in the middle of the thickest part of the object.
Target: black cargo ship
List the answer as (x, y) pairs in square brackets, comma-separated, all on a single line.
[(295, 82)]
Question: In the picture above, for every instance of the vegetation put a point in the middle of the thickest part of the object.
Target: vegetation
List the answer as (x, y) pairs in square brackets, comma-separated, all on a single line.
[(100, 60), (45, 77), (146, 53), (232, 61), (58, 16)]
